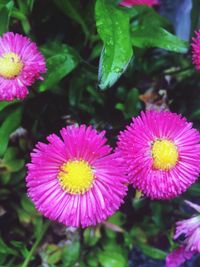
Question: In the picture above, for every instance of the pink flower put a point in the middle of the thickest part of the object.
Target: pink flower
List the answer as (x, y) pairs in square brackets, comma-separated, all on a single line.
[(130, 3), (161, 152), (76, 180), (191, 229), (20, 65), (191, 245), (177, 257), (196, 50), (187, 227)]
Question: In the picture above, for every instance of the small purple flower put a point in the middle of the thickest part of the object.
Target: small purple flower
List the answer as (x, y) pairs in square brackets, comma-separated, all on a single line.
[(191, 245)]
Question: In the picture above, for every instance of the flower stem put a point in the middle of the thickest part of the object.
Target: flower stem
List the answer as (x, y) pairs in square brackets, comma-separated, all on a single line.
[(168, 72), (35, 245)]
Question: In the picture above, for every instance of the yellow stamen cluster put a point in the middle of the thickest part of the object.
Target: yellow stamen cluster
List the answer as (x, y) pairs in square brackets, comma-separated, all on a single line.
[(10, 65), (165, 154), (76, 177)]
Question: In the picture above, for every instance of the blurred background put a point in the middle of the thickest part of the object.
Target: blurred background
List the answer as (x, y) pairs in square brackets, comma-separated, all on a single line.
[(159, 75)]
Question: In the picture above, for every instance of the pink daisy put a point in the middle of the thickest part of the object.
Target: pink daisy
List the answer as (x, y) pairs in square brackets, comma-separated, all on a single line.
[(20, 65), (190, 228), (196, 50), (130, 3), (161, 151), (76, 180)]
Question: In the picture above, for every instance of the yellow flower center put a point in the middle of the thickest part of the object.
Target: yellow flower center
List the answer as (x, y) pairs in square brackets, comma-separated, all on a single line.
[(76, 177), (165, 154), (10, 65)]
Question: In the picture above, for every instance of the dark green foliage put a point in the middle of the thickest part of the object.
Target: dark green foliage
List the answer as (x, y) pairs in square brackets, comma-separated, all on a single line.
[(134, 56)]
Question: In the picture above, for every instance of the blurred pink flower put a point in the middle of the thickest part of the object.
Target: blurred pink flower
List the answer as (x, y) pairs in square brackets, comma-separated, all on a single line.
[(20, 65), (177, 257), (196, 50), (75, 180), (161, 152), (130, 3), (190, 228)]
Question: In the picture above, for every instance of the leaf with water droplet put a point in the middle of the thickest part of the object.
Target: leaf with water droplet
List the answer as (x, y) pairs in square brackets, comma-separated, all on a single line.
[(61, 60), (114, 30), (158, 37)]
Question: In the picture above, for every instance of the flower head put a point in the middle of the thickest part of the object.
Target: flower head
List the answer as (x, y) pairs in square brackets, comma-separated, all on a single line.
[(20, 65), (130, 3), (162, 153), (177, 257), (190, 228), (196, 50), (76, 180)]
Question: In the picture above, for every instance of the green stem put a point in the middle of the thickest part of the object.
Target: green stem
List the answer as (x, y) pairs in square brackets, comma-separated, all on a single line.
[(177, 71), (34, 247)]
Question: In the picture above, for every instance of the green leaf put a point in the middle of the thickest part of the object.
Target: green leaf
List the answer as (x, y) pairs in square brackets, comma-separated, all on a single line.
[(5, 104), (5, 12), (15, 165), (113, 28), (54, 254), (195, 18), (24, 217), (134, 236), (117, 218), (5, 177), (27, 205), (38, 224), (27, 212), (156, 210), (20, 15), (10, 161), (111, 259), (76, 88), (4, 249), (91, 258), (91, 236), (132, 104), (71, 254), (158, 37), (10, 154), (70, 8), (23, 6), (150, 31), (147, 16), (115, 2), (8, 126), (61, 60), (112, 255), (30, 4), (194, 190), (195, 115), (152, 252), (95, 94)]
